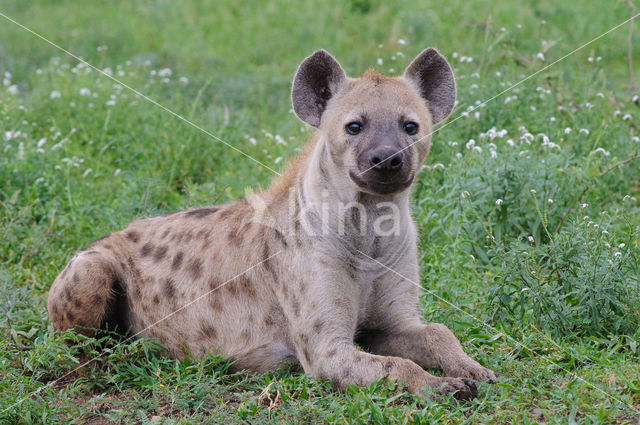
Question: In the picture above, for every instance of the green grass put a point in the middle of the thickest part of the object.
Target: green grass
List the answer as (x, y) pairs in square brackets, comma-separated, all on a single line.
[(557, 318)]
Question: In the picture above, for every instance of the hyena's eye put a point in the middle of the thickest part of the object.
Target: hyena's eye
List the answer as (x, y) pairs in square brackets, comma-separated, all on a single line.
[(411, 128), (353, 128)]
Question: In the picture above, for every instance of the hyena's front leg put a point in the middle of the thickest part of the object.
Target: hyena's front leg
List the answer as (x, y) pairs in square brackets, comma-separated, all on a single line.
[(339, 362), (432, 345), (321, 327)]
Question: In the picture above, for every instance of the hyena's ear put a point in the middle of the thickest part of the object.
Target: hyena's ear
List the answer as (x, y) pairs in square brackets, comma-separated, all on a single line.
[(318, 78), (433, 76)]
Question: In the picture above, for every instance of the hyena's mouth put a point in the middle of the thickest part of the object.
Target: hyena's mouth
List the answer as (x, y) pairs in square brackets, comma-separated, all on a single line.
[(381, 187)]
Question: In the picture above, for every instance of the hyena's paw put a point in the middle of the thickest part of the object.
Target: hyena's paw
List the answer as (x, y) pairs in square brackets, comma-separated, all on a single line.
[(462, 388), (468, 368)]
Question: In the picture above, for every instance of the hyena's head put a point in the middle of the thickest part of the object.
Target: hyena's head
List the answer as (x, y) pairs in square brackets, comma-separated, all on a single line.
[(377, 129)]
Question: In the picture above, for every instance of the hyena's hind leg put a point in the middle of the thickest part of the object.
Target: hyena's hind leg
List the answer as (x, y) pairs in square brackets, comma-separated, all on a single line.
[(88, 294)]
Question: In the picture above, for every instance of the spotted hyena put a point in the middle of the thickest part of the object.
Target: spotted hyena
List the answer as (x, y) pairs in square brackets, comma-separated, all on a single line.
[(321, 261)]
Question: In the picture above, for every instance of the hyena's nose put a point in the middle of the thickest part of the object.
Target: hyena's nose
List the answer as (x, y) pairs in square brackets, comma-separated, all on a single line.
[(386, 158)]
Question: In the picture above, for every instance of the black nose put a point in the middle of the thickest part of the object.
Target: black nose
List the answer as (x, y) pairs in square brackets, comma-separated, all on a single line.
[(386, 158)]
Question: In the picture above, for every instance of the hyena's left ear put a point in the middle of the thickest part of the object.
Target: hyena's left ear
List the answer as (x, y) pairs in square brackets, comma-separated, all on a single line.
[(433, 76), (318, 78)]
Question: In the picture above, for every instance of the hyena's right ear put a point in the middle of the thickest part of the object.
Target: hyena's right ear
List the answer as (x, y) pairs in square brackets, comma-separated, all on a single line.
[(318, 78)]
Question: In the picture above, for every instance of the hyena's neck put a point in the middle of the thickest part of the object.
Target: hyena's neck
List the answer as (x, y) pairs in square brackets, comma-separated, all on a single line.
[(332, 206)]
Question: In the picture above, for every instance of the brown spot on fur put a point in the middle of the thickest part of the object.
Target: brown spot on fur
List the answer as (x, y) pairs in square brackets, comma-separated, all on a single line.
[(76, 278), (267, 261), (133, 236), (268, 321), (332, 352), (70, 316), (247, 286), (165, 233), (216, 304), (317, 326), (77, 303), (133, 269), (160, 253), (280, 237), (202, 212), (146, 249), (177, 261), (224, 213), (195, 268), (67, 293), (169, 289), (209, 332), (156, 299), (213, 283), (232, 236)]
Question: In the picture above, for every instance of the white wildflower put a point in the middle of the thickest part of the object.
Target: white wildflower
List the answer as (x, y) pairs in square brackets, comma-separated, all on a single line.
[(533, 192), (465, 194), (86, 173), (626, 117), (583, 130), (499, 202), (530, 238), (115, 173), (621, 246), (601, 150), (85, 92), (470, 144), (54, 94), (567, 130), (110, 102), (165, 72), (380, 61), (42, 141), (540, 56), (401, 41), (13, 89)]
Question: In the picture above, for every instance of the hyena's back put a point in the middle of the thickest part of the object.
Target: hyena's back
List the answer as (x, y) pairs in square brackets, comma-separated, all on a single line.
[(180, 278)]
